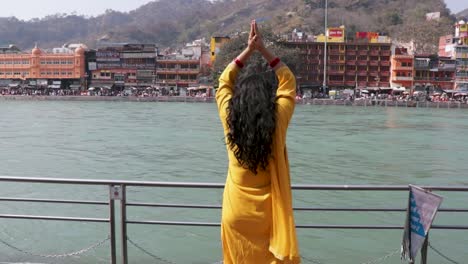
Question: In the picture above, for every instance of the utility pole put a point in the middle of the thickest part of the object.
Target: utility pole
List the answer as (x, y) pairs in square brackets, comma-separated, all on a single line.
[(325, 51)]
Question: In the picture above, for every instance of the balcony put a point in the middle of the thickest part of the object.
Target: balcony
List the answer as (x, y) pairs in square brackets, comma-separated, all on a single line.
[(385, 73), (336, 83), (362, 63), (434, 79), (403, 68), (336, 62), (315, 52), (336, 72), (362, 73), (351, 72), (362, 83), (350, 83), (384, 63), (351, 52), (374, 73), (363, 52), (374, 53), (351, 63), (384, 84), (334, 52), (374, 63), (385, 53), (373, 84), (402, 78)]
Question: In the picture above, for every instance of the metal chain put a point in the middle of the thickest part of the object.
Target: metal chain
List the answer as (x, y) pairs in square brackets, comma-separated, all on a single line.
[(66, 255), (382, 259), (149, 253), (442, 255)]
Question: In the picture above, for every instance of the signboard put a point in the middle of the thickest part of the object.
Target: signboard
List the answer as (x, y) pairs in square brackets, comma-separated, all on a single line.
[(422, 208), (335, 32)]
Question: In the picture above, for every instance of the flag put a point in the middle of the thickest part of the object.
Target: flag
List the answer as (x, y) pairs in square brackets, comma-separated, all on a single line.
[(422, 208)]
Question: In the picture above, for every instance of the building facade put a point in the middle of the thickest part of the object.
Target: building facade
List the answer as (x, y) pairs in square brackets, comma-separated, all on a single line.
[(435, 71), (351, 64), (456, 47), (402, 68), (40, 69), (215, 46), (175, 72), (121, 65)]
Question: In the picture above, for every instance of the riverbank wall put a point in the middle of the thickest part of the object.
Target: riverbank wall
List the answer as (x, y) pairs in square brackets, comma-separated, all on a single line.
[(363, 103)]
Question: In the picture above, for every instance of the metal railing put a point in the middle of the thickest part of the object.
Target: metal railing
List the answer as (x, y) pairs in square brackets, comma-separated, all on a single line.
[(117, 192)]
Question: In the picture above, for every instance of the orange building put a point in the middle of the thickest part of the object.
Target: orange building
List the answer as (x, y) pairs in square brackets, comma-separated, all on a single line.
[(177, 72), (402, 68), (39, 68)]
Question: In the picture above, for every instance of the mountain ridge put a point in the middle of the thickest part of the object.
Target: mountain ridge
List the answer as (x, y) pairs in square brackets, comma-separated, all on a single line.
[(175, 22)]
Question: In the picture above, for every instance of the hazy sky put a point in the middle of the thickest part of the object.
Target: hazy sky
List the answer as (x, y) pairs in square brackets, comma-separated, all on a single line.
[(27, 9)]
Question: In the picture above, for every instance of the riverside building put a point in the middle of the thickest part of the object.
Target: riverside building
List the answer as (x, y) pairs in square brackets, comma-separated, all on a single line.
[(456, 47), (362, 62), (60, 69), (178, 72), (123, 65), (422, 70)]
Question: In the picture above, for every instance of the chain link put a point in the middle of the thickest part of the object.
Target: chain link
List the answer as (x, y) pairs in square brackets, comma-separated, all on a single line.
[(149, 253), (310, 260), (66, 255), (382, 259), (442, 255)]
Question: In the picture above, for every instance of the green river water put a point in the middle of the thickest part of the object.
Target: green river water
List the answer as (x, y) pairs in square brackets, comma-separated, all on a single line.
[(184, 142)]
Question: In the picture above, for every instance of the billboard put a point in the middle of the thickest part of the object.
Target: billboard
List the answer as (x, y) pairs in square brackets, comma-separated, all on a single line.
[(335, 32)]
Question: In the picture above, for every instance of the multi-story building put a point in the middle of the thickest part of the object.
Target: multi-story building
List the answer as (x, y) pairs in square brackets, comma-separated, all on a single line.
[(120, 65), (363, 62), (215, 46), (456, 47), (175, 72), (402, 68), (63, 68), (461, 76), (432, 70)]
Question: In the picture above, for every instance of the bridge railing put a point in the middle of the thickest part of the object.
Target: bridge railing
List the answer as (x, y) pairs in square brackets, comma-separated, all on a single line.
[(118, 194)]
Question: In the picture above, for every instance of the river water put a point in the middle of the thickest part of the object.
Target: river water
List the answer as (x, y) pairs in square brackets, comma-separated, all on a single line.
[(184, 142)]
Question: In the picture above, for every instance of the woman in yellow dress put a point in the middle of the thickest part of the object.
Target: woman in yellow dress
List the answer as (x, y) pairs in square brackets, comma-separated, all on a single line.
[(257, 223)]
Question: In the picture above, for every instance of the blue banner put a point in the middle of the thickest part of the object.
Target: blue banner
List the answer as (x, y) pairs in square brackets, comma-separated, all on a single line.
[(422, 208)]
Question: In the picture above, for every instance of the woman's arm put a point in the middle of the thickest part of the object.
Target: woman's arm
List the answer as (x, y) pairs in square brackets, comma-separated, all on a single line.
[(286, 93), (229, 75)]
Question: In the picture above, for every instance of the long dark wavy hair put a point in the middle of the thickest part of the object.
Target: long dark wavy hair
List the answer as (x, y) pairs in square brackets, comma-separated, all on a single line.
[(252, 120)]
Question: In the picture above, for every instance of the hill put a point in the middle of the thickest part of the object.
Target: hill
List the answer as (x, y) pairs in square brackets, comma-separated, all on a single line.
[(171, 22), (463, 14)]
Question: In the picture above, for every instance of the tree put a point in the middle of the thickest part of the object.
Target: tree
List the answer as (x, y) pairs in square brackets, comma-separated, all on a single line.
[(234, 47)]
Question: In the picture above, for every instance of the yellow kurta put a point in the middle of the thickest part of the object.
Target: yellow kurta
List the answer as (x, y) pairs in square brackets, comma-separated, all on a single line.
[(257, 223)]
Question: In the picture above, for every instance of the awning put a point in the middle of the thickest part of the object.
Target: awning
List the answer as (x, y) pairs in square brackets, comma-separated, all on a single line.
[(13, 85), (54, 86), (75, 86)]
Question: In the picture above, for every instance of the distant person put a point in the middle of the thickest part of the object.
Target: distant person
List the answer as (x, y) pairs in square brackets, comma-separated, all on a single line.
[(257, 218)]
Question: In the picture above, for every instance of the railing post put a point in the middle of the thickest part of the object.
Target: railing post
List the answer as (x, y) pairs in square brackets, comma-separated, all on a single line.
[(123, 224), (424, 250), (112, 225)]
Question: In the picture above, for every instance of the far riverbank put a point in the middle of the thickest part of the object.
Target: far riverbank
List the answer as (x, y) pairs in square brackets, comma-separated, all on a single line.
[(182, 99)]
